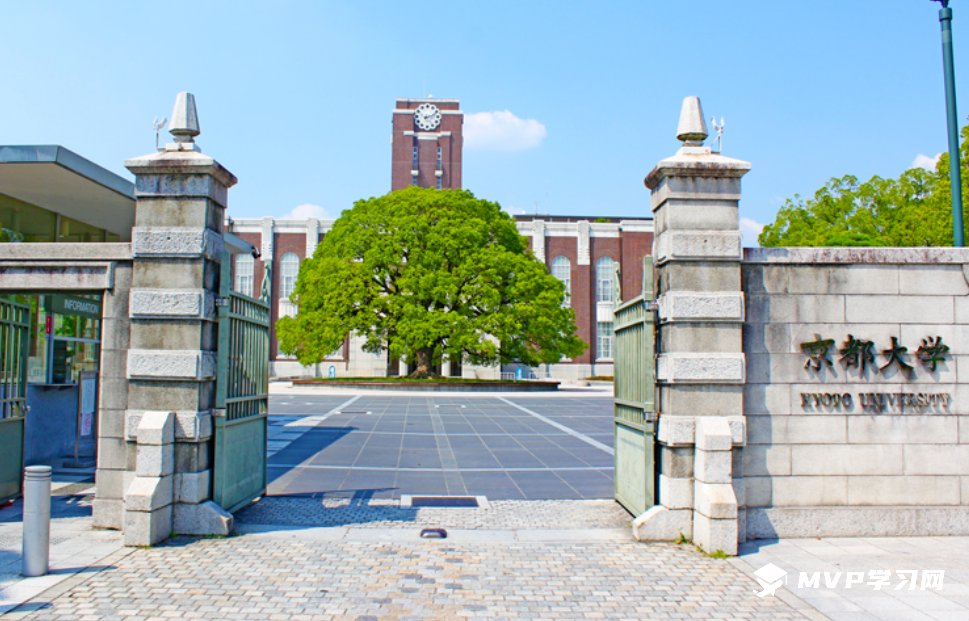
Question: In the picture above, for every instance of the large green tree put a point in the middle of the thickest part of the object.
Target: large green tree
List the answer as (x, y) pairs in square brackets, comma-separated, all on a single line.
[(429, 275), (913, 210)]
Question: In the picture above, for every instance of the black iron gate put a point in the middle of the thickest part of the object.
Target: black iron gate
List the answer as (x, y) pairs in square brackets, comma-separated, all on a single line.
[(635, 399), (242, 397), (14, 343)]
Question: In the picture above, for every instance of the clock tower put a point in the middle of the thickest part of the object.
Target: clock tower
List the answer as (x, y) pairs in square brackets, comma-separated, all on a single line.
[(427, 143)]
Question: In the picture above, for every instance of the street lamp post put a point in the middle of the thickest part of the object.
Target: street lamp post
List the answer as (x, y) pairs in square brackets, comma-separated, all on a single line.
[(955, 178)]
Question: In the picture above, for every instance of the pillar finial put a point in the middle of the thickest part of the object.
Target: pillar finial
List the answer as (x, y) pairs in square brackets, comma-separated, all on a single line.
[(185, 122), (692, 130)]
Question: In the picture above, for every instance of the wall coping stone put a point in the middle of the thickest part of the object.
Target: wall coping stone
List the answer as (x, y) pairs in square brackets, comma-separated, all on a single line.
[(180, 163), (100, 251), (49, 276), (793, 255), (686, 165)]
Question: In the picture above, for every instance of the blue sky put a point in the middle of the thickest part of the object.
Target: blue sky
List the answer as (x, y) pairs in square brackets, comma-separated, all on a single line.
[(295, 98)]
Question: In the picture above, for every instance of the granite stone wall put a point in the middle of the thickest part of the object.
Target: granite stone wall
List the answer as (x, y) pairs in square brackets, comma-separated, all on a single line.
[(847, 433)]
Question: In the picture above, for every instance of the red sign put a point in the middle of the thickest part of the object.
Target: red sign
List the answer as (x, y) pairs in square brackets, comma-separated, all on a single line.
[(48, 324)]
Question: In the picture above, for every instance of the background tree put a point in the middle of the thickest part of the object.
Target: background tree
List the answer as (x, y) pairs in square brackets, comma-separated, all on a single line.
[(429, 275), (913, 210)]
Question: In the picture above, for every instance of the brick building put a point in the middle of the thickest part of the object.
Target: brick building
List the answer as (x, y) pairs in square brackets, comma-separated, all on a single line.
[(427, 144)]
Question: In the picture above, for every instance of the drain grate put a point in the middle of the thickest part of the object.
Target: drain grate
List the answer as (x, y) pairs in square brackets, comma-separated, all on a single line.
[(444, 501)]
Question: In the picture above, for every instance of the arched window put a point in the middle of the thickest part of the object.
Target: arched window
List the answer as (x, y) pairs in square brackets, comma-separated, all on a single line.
[(562, 269), (605, 272), (245, 268), (288, 269)]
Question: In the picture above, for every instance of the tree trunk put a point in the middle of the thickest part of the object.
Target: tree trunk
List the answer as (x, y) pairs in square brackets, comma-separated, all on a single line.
[(423, 364)]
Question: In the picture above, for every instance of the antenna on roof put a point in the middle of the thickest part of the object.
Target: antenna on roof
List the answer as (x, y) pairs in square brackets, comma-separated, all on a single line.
[(158, 125), (719, 130)]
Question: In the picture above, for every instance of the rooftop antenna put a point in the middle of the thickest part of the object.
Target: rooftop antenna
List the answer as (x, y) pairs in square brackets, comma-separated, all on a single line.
[(158, 125), (719, 130)]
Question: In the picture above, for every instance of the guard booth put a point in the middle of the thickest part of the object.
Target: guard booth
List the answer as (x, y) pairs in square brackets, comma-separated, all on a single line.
[(64, 222), (635, 398)]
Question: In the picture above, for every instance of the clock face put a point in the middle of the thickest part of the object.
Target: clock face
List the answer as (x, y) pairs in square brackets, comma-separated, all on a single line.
[(427, 116)]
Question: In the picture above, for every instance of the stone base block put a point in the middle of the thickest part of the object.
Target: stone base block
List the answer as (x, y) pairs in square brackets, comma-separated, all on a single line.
[(713, 534), (715, 500), (206, 518), (156, 460), (109, 513), (802, 522), (713, 466), (193, 487), (662, 524), (150, 493), (676, 493), (146, 528)]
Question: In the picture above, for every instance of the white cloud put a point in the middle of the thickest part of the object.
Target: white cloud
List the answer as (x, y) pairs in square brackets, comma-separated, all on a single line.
[(926, 162), (307, 210), (750, 229), (514, 211), (502, 131)]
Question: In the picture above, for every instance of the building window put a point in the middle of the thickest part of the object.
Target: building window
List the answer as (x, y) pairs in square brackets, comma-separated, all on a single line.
[(604, 340), (288, 270), (605, 272), (439, 158), (245, 268), (562, 269), (438, 182), (413, 163)]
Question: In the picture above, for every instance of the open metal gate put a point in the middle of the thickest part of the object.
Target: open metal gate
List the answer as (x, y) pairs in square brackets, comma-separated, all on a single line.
[(242, 396), (635, 398), (14, 343)]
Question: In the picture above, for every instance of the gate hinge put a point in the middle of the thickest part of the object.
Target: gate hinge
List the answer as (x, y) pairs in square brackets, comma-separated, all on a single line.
[(221, 301)]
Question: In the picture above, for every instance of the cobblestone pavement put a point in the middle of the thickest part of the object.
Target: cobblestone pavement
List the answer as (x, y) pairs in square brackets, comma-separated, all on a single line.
[(386, 513), (265, 578)]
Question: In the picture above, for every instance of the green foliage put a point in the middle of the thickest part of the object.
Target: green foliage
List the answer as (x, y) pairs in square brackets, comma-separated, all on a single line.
[(429, 275), (913, 210)]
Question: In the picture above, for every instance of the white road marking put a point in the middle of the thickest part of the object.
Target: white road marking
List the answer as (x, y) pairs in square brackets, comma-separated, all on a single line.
[(571, 432)]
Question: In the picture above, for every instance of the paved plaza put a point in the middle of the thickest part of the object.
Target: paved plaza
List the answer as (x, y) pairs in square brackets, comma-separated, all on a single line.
[(340, 553), (509, 447), (509, 563)]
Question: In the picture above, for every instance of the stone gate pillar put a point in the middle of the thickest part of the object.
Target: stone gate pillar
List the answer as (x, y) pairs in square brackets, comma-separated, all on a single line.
[(177, 249), (700, 367)]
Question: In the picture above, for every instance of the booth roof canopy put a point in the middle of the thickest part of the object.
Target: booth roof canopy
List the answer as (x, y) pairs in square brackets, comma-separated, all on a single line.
[(59, 180)]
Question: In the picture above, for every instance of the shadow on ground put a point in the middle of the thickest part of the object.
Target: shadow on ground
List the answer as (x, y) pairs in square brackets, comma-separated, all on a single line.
[(329, 509)]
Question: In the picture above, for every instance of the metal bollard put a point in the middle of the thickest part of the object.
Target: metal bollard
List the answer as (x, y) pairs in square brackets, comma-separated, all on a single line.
[(36, 546)]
